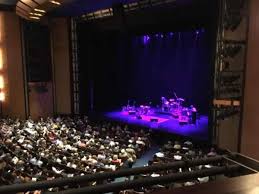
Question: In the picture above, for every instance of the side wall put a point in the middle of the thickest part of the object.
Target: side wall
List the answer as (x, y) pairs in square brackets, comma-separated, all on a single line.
[(250, 128), (61, 65), (40, 103), (11, 46), (13, 70)]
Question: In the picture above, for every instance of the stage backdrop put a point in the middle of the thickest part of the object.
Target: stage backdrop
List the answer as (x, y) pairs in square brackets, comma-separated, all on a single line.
[(117, 66)]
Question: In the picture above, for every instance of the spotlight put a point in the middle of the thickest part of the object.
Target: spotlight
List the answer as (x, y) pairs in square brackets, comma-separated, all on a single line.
[(197, 32), (171, 33), (146, 38), (161, 35)]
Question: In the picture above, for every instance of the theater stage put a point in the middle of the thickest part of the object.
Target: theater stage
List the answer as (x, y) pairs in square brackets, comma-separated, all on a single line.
[(166, 123)]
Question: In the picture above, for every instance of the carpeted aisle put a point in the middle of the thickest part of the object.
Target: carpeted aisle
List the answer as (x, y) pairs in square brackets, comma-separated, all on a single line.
[(142, 161), (146, 157)]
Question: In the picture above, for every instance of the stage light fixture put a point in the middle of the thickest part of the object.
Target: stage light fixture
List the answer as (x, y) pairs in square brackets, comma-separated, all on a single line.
[(171, 33), (146, 38), (40, 10), (55, 2)]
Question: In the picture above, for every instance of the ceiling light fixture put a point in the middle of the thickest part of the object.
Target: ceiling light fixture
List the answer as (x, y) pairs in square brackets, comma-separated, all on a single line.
[(34, 17), (36, 14), (55, 2), (40, 10)]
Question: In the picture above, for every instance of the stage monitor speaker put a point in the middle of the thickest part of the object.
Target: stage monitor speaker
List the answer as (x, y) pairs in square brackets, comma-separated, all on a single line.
[(154, 120)]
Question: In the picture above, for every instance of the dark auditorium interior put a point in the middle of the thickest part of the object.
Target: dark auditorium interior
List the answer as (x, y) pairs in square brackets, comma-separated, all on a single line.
[(129, 96)]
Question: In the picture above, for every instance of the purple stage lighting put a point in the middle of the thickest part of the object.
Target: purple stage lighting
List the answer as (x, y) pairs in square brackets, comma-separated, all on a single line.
[(156, 35), (165, 123), (171, 33), (197, 32), (146, 38)]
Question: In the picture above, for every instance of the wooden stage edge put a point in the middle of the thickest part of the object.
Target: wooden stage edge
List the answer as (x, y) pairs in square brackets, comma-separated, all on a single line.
[(248, 184)]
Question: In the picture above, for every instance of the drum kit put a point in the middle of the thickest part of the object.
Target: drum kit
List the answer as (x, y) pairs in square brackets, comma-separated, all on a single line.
[(175, 107), (172, 104), (144, 110)]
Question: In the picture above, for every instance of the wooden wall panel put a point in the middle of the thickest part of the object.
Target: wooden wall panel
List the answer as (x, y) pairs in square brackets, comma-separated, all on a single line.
[(61, 65), (40, 102), (14, 104), (250, 127)]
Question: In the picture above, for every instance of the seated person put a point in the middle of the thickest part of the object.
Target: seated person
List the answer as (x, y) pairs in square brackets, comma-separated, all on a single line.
[(116, 161)]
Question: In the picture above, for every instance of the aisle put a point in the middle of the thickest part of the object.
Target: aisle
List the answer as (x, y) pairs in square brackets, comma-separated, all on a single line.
[(142, 161), (146, 157)]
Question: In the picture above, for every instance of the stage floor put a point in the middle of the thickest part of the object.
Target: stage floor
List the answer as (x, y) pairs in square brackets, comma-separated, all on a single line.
[(166, 123)]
